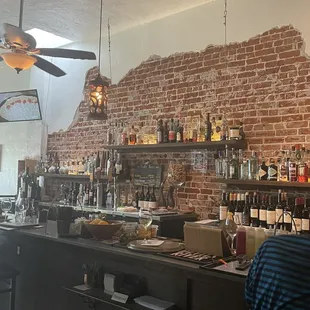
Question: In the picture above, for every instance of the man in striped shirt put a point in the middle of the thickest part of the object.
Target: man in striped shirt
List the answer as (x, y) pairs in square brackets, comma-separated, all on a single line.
[(279, 277)]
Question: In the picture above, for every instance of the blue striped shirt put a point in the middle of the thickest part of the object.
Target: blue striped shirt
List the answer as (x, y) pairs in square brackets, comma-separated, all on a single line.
[(279, 277)]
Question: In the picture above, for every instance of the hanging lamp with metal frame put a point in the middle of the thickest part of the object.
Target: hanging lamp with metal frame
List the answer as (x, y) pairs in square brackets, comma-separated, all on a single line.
[(98, 88)]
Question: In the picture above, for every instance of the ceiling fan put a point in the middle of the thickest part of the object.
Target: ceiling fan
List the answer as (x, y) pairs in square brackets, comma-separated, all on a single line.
[(22, 52)]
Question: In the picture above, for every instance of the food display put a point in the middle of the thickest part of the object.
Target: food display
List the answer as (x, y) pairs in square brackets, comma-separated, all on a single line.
[(102, 229), (127, 209), (99, 222)]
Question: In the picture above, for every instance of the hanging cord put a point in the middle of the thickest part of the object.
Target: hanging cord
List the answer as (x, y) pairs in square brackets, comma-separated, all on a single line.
[(110, 54), (226, 57), (100, 35)]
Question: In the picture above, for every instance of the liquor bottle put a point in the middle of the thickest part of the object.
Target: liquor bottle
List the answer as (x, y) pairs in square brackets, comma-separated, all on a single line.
[(132, 136), (263, 212), (226, 170), (208, 129), (272, 170), (141, 198), (95, 196), (30, 185), (231, 207), (279, 210), (238, 210), (171, 135), (292, 168), (282, 168), (223, 207), (118, 165), (103, 164), (302, 167), (253, 166), (288, 214), (152, 200), (97, 161), (263, 170), (218, 161), (109, 135), (241, 132), (305, 229), (213, 126), (160, 131), (25, 182), (91, 195), (135, 202), (254, 211), (271, 212), (86, 196), (166, 133), (147, 199), (233, 166), (109, 199), (297, 215), (179, 135), (124, 136), (246, 214)]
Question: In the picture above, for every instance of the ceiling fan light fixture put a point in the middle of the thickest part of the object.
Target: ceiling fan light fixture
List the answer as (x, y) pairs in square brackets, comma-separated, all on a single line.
[(19, 62)]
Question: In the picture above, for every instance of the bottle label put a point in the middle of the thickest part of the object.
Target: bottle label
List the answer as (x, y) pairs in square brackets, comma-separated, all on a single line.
[(272, 173), (178, 137), (302, 170), (223, 213), (231, 171), (292, 172), (146, 205), (287, 217), (171, 135), (238, 218), (254, 213), (262, 173), (283, 173), (305, 224), (279, 212), (271, 217), (297, 223), (91, 194), (263, 215), (141, 204), (152, 204)]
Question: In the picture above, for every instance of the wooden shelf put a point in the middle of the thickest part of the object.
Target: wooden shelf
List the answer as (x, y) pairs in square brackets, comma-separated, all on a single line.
[(177, 147), (253, 184), (66, 176), (99, 296)]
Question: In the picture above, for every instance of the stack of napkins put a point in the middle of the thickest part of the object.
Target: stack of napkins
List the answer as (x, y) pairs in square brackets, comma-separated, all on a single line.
[(153, 303)]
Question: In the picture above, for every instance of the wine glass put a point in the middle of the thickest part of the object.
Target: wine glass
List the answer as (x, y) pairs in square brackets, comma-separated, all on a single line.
[(20, 210), (231, 229), (6, 206), (145, 219)]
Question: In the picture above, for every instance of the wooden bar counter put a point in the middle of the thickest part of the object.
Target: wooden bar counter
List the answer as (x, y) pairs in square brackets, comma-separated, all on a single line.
[(48, 264)]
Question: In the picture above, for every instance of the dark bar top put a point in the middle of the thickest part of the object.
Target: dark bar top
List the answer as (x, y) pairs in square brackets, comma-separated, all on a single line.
[(191, 268)]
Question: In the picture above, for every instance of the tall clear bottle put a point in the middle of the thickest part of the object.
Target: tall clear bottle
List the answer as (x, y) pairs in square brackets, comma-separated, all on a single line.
[(292, 166), (253, 166), (226, 170), (233, 166)]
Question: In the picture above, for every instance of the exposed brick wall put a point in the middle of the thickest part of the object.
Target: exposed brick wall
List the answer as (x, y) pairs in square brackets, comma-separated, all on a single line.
[(266, 83)]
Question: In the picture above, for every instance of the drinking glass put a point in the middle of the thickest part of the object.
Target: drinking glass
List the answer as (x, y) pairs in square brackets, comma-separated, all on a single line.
[(20, 210), (6, 206), (145, 219), (231, 229)]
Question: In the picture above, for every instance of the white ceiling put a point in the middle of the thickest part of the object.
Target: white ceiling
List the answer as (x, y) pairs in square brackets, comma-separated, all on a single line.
[(77, 19)]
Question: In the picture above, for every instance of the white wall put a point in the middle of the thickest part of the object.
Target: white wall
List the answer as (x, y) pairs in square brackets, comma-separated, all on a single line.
[(10, 80), (190, 30), (19, 141)]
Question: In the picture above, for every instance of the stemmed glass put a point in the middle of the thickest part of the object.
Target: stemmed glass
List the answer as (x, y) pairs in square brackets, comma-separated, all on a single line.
[(6, 206), (145, 219), (231, 229)]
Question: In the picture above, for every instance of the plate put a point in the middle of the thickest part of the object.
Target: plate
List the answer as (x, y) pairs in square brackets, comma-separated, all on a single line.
[(167, 246)]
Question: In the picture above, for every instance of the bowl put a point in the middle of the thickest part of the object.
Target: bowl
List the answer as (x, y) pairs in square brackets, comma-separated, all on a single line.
[(104, 232)]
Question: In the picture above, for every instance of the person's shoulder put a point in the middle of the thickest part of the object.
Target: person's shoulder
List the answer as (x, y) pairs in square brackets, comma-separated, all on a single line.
[(288, 238)]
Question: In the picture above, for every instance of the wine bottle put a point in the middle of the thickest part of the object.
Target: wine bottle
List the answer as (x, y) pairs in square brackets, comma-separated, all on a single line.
[(254, 211), (97, 161), (238, 210), (179, 138), (223, 207), (271, 212), (152, 200), (171, 136), (288, 214), (160, 131), (135, 202), (297, 216), (25, 182), (305, 219), (231, 207), (263, 212), (91, 195), (246, 214), (292, 168), (233, 166), (279, 210), (166, 133)]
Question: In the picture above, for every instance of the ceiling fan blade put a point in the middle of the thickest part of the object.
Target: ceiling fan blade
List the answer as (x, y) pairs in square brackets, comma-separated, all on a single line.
[(16, 36), (66, 53), (48, 67)]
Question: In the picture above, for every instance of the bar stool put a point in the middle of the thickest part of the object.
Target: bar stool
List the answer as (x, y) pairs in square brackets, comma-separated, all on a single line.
[(8, 275)]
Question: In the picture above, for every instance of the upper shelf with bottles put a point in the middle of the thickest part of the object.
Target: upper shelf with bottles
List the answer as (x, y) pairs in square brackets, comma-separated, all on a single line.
[(172, 136), (289, 171)]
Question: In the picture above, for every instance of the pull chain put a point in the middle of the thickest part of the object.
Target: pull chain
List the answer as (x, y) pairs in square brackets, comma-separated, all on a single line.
[(226, 62)]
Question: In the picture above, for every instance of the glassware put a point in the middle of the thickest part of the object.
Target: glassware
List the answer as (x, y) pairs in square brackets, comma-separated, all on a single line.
[(231, 229), (6, 206), (21, 207), (145, 219)]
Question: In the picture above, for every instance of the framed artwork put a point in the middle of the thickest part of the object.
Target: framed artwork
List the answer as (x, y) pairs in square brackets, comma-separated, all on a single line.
[(19, 106)]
